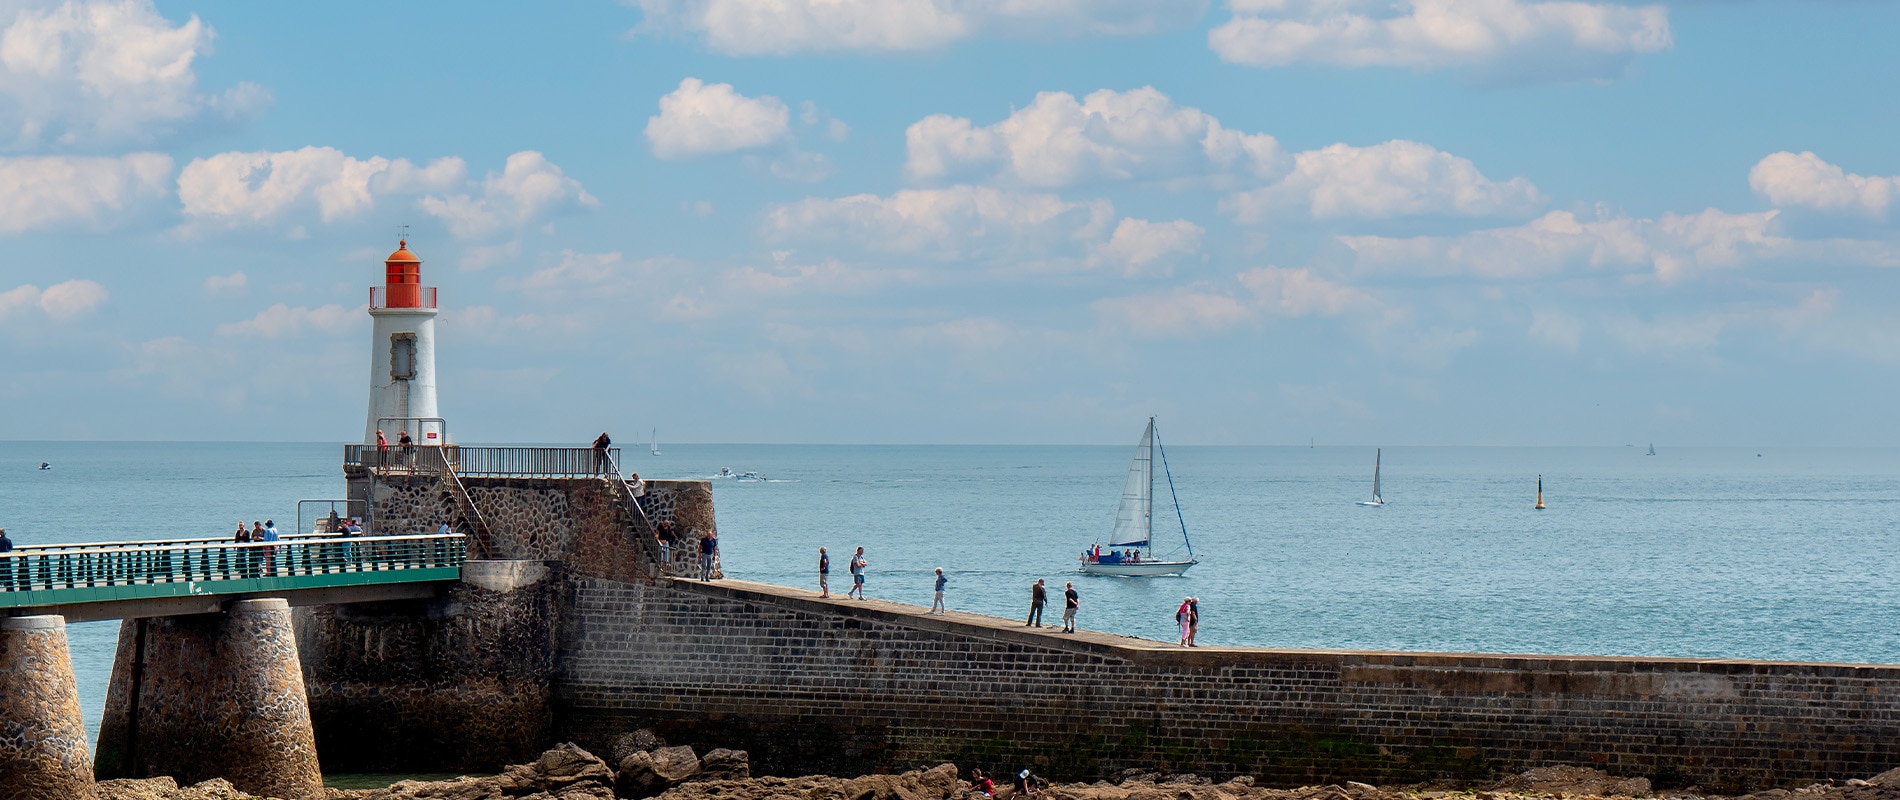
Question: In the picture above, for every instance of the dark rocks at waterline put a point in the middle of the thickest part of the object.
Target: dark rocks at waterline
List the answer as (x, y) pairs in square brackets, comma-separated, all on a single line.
[(564, 773)]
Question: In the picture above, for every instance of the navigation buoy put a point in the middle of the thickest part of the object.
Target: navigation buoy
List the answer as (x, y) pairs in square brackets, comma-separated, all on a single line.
[(1540, 494)]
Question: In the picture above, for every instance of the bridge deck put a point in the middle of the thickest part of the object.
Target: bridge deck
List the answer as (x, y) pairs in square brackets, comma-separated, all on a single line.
[(72, 576)]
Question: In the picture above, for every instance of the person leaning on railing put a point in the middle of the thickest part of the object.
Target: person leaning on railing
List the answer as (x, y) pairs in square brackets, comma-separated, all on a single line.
[(8, 562)]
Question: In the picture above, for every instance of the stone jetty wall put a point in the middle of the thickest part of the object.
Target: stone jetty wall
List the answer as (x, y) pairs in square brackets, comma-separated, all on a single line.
[(464, 682), (42, 736), (810, 685)]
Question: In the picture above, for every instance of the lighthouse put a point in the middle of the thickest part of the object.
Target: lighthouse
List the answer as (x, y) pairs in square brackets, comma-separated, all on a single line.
[(402, 354)]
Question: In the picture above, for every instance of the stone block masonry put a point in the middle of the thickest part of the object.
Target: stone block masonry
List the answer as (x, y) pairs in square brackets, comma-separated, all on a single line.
[(211, 696), (42, 737), (811, 685)]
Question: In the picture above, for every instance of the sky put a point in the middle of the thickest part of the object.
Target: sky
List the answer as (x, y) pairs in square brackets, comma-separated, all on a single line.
[(1364, 222)]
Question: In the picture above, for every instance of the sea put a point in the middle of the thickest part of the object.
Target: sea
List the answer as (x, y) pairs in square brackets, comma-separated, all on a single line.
[(1787, 554)]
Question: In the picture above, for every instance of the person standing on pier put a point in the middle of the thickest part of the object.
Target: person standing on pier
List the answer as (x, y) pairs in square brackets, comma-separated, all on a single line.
[(857, 575), (1193, 619), (708, 551), (270, 553), (1070, 602), (601, 443), (382, 449), (6, 546), (1181, 618), (824, 573), (1037, 597), (938, 607), (408, 446)]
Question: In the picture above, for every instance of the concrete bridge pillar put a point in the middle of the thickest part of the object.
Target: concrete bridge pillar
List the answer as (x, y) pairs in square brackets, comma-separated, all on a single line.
[(42, 735), (212, 696)]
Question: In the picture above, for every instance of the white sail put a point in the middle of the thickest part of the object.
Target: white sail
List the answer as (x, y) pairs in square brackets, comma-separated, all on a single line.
[(1376, 457), (1134, 518), (655, 441)]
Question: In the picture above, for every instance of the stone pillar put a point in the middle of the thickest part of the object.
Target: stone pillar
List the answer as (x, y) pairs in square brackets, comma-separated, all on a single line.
[(212, 696), (42, 735)]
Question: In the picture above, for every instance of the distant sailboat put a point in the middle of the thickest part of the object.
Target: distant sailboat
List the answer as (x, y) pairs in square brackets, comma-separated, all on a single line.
[(1377, 499), (655, 441), (1134, 521), (1540, 494), (1652, 449)]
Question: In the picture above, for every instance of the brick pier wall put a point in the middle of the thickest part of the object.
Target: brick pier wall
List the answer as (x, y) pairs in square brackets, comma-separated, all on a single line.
[(845, 687)]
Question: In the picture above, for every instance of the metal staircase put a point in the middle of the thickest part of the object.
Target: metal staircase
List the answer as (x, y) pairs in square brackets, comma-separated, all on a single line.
[(634, 517), (471, 517)]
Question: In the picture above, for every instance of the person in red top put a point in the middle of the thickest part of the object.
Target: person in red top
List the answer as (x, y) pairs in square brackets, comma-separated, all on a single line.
[(982, 783), (382, 447)]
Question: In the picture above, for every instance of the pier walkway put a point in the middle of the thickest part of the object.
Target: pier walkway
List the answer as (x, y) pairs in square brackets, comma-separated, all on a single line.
[(117, 580)]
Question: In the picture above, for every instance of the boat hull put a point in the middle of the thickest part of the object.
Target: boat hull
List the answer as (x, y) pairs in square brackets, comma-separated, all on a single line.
[(1143, 569)]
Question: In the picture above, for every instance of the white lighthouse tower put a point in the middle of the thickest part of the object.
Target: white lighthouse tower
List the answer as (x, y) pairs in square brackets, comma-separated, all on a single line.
[(402, 354)]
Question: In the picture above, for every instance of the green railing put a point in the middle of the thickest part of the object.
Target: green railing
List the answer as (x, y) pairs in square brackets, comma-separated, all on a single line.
[(50, 575)]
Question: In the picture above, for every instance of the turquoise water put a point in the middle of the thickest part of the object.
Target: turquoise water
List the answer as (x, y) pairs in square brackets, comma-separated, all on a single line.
[(1707, 552)]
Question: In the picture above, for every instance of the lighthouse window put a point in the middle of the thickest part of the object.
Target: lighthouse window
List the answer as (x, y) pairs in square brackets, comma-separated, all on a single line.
[(402, 356)]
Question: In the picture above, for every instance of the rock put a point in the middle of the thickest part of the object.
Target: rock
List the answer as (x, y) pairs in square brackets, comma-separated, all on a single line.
[(564, 773), (1356, 787), (640, 741), (1889, 778), (725, 765), (646, 774), (139, 789), (1567, 780), (937, 783)]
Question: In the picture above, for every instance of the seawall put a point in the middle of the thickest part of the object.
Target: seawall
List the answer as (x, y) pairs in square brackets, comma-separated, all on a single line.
[(845, 686), (594, 646)]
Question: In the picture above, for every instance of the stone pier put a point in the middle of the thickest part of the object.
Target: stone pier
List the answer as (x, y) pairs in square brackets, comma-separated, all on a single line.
[(459, 683), (42, 736), (212, 696)]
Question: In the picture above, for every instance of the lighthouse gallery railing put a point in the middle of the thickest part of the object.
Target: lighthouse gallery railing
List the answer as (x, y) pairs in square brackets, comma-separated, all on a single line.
[(556, 462)]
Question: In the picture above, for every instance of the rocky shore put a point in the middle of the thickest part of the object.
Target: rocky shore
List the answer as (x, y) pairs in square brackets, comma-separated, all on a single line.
[(643, 768)]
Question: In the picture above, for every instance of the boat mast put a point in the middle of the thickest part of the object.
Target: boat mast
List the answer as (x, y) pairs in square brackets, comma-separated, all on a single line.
[(1148, 508), (1171, 495)]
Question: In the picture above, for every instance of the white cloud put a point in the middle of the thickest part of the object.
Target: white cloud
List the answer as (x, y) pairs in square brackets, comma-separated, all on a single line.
[(700, 119), (1139, 246), (104, 72), (1177, 313), (577, 270), (528, 188), (61, 301), (1299, 293), (1109, 135), (261, 187), (479, 257), (958, 221), (783, 27), (269, 188), (281, 321), (1675, 246), (1805, 181), (234, 283), (1507, 39), (1690, 333), (1206, 308), (1557, 328), (48, 191), (1397, 178)]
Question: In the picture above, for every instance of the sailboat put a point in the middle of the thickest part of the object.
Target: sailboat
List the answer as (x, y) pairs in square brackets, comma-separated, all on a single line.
[(1652, 449), (655, 441), (1377, 499), (1130, 550)]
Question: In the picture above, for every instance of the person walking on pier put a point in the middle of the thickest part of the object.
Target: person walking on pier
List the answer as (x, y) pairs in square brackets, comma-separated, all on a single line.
[(1194, 619), (1037, 597), (1181, 616), (824, 573), (937, 607), (1070, 602), (857, 575), (708, 551)]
